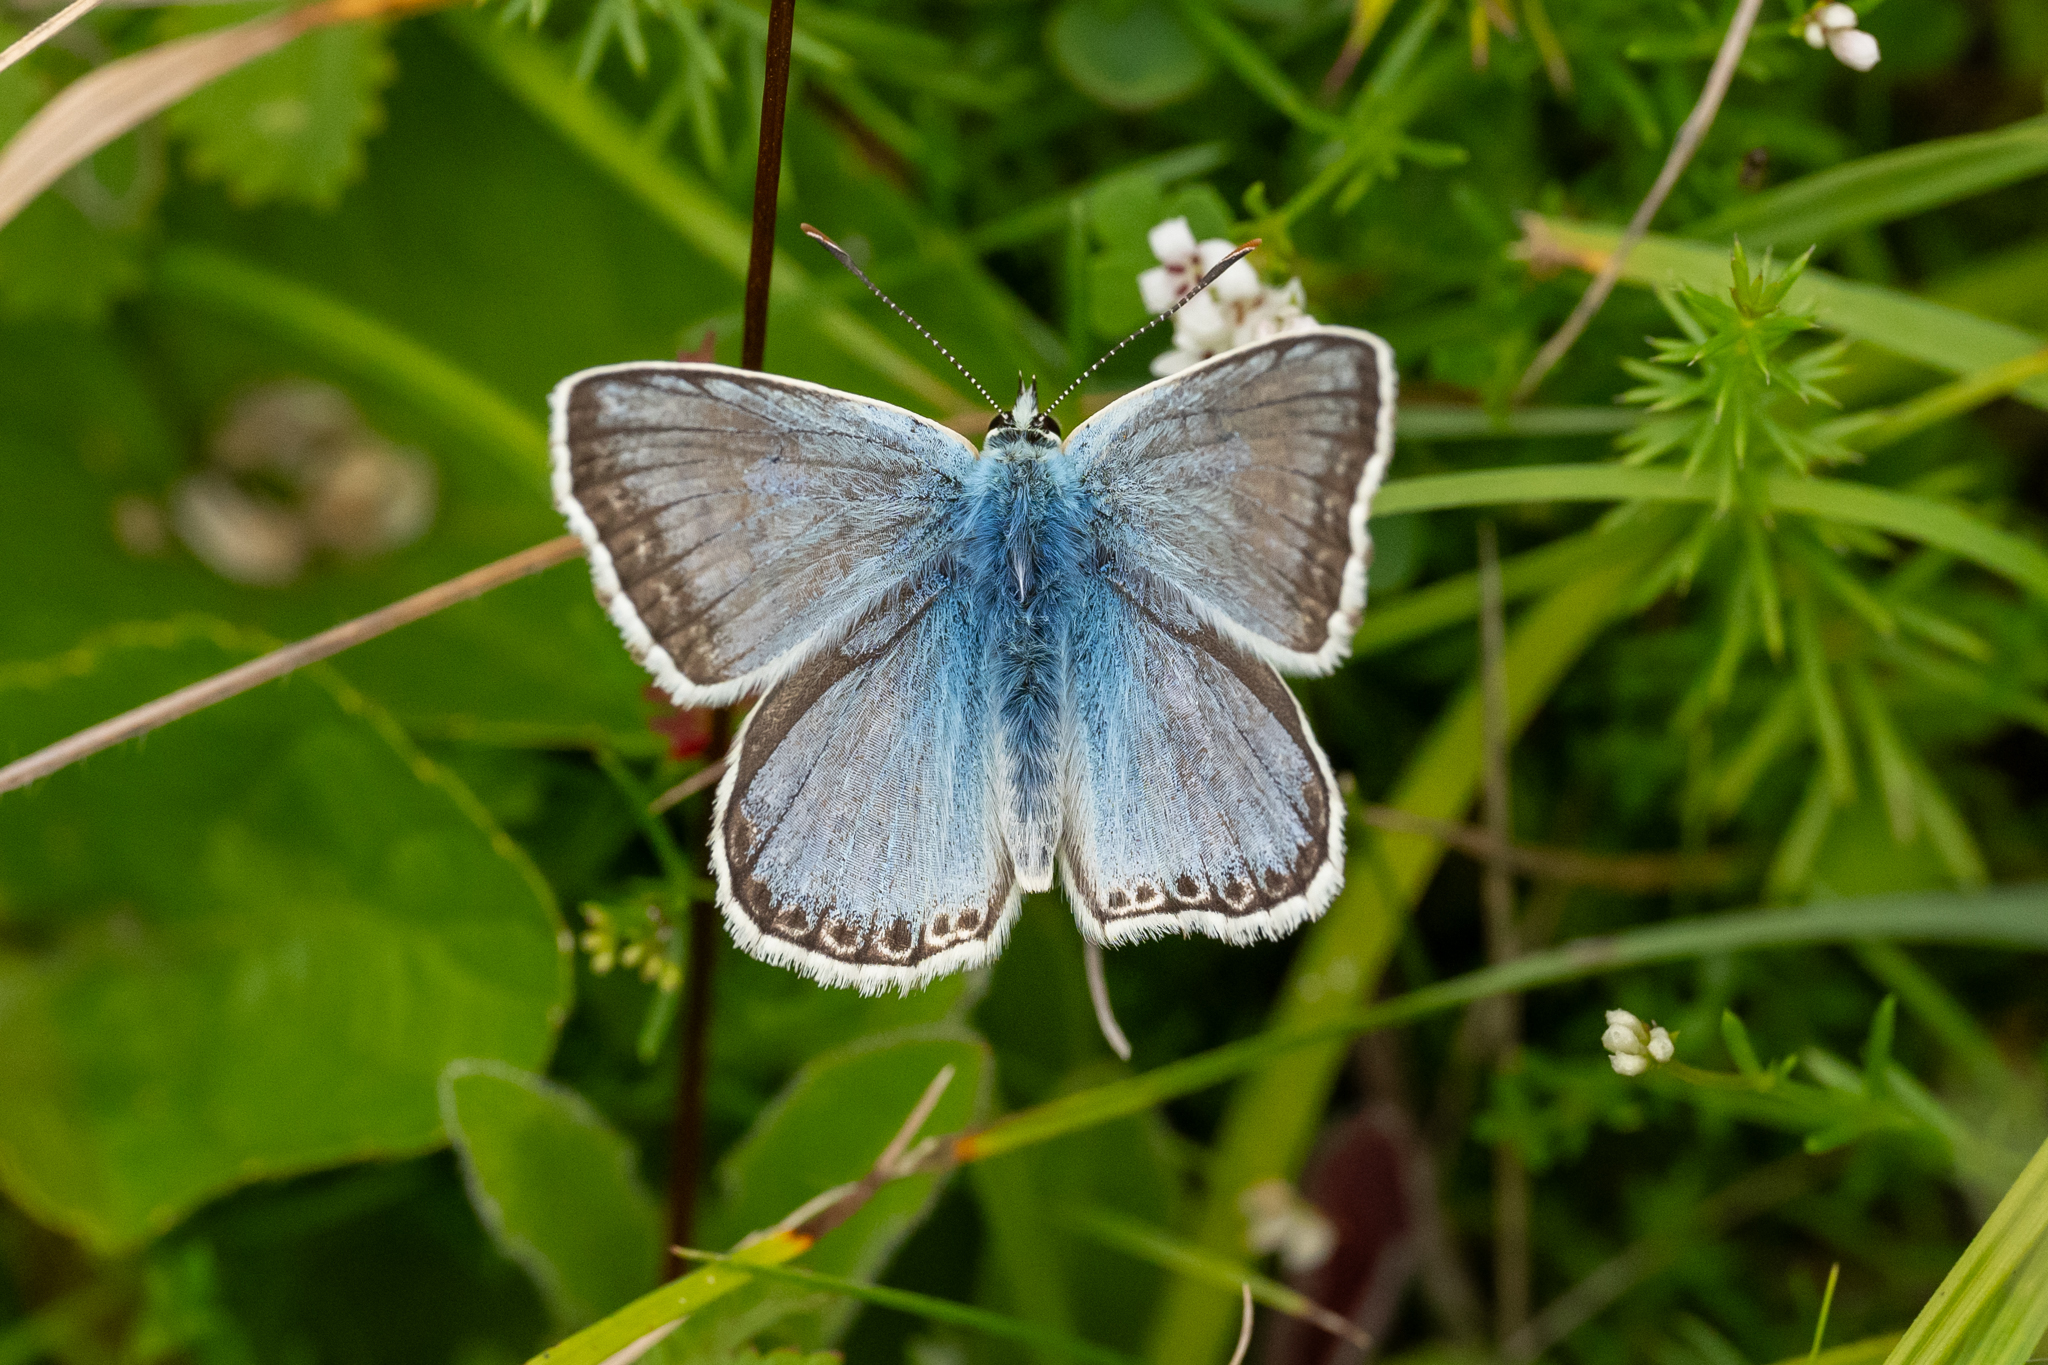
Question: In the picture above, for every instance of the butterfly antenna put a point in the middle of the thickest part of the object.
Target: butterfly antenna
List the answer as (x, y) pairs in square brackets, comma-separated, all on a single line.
[(1214, 273), (839, 253)]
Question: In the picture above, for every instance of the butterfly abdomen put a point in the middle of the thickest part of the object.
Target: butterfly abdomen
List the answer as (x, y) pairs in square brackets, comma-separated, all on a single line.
[(1021, 539)]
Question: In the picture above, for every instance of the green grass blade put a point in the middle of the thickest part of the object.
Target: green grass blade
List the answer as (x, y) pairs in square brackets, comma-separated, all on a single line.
[(1855, 504), (677, 1299), (360, 345), (1992, 1306), (1463, 422), (1410, 615), (1155, 1246), (1883, 188), (1939, 337), (934, 1309), (2015, 918)]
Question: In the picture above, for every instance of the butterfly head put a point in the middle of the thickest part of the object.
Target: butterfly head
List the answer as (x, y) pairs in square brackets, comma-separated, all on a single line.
[(1023, 427)]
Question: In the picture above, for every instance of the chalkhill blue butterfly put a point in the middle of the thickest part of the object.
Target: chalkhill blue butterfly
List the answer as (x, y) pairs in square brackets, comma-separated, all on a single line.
[(974, 667)]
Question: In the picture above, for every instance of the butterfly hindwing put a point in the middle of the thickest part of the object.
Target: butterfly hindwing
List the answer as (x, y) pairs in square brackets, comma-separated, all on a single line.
[(1246, 481), (1195, 797), (735, 520), (857, 835)]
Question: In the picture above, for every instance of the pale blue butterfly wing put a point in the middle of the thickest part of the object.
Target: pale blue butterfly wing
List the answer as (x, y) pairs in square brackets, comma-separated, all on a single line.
[(1246, 481), (977, 665), (857, 834), (1229, 526), (734, 520), (750, 532), (1196, 798)]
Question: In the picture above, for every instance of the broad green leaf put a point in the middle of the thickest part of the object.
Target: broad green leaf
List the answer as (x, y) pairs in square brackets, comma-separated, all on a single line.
[(290, 125), (55, 264), (1131, 56), (246, 945), (1882, 188), (1942, 338), (556, 1185)]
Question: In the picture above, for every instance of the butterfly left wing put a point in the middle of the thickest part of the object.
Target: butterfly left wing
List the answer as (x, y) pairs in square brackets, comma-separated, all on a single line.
[(736, 521), (1246, 480), (1195, 797), (857, 837)]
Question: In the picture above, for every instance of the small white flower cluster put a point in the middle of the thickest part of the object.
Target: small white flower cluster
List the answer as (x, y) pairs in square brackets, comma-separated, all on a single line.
[(1235, 311), (1278, 1219), (1833, 26), (1632, 1046)]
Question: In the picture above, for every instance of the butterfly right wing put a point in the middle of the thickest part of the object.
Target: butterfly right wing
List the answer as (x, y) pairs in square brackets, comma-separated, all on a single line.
[(858, 839), (735, 521)]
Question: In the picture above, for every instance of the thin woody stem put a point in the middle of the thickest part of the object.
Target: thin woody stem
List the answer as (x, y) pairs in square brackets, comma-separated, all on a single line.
[(1628, 872), (279, 662), (692, 1057), (46, 30), (767, 182), (1688, 142)]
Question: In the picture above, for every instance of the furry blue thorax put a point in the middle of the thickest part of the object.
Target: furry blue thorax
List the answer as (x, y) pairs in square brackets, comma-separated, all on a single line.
[(1025, 529)]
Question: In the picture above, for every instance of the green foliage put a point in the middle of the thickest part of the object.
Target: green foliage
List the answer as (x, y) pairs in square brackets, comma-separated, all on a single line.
[(1733, 348), (290, 125), (306, 919), (258, 970)]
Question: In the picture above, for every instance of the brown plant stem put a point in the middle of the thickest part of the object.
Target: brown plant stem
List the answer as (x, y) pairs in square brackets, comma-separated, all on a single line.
[(1688, 141), (767, 182), (1638, 872), (279, 662), (692, 1057), (706, 776)]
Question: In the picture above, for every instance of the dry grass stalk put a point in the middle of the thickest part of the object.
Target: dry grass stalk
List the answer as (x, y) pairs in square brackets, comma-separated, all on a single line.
[(46, 30), (98, 107)]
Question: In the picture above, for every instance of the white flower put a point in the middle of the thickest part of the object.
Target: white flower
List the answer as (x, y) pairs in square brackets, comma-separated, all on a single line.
[(1235, 311), (1182, 263), (1833, 26), (1632, 1046), (1279, 1220)]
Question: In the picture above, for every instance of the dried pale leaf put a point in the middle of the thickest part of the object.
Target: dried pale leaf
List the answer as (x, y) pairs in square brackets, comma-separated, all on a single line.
[(97, 108), (46, 30)]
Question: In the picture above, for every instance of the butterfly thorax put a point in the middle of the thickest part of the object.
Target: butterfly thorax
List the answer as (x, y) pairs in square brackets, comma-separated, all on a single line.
[(1026, 525)]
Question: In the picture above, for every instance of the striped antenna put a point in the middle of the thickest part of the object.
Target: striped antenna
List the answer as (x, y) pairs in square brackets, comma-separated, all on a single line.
[(839, 254), (1213, 274)]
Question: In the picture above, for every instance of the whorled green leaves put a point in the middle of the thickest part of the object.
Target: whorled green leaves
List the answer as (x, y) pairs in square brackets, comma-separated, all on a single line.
[(245, 946)]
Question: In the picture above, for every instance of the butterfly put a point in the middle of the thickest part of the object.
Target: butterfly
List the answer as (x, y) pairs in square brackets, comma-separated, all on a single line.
[(975, 667)]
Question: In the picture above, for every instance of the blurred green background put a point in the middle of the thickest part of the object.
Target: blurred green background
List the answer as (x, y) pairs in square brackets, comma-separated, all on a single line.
[(304, 1052)]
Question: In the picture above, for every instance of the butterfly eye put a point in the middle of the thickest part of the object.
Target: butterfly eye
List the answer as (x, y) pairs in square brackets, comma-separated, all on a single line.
[(999, 421), (1044, 422)]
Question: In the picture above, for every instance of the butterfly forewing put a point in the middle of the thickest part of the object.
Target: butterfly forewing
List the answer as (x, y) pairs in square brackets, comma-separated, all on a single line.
[(1246, 481), (1196, 798), (735, 520)]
